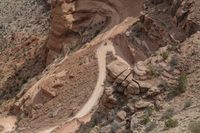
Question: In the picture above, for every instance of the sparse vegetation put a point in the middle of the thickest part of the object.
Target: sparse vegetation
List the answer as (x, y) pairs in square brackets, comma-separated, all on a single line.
[(173, 47), (194, 127), (168, 113), (165, 55), (154, 72), (149, 110), (182, 84), (135, 99), (174, 61), (146, 119), (171, 123), (187, 104), (150, 126)]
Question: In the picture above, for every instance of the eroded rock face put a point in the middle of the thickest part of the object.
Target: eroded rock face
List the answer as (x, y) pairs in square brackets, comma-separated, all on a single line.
[(77, 22)]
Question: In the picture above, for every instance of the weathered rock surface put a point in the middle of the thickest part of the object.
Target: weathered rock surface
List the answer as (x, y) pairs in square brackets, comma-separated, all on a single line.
[(142, 104), (122, 115), (133, 89), (123, 76), (116, 68), (153, 91)]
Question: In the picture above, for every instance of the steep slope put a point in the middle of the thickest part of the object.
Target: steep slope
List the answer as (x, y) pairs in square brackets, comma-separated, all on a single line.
[(106, 66)]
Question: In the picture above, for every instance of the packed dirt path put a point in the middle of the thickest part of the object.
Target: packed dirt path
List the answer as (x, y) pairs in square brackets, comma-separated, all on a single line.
[(84, 114), (93, 101), (98, 92)]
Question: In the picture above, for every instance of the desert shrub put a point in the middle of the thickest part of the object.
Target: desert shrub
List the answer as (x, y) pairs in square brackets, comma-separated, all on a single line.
[(174, 61), (173, 47), (194, 127), (150, 126), (182, 83), (154, 71), (171, 123), (165, 55), (168, 113), (146, 119), (164, 85), (187, 104), (147, 113), (134, 99)]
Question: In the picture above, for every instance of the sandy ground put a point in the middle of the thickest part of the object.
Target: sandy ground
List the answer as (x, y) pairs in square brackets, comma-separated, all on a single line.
[(8, 123)]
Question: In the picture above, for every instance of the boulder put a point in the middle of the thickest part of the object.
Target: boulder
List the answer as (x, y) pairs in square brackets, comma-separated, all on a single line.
[(128, 80), (116, 68), (131, 107), (112, 99), (138, 69), (48, 92), (141, 66), (122, 115), (142, 104), (109, 91), (153, 91), (123, 76), (134, 123), (144, 85), (133, 88)]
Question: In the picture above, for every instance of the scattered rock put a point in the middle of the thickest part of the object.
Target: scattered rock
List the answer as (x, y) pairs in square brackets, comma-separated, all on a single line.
[(109, 91), (131, 107), (121, 114), (71, 76), (112, 99), (140, 69), (140, 73), (141, 66), (116, 125), (57, 85), (142, 104), (144, 86), (106, 129), (134, 122), (153, 91), (48, 92), (133, 88)]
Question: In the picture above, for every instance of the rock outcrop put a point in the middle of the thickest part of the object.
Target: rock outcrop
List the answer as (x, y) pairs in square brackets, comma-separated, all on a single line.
[(77, 22)]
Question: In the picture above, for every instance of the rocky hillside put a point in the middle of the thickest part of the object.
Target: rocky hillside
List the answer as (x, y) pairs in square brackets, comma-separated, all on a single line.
[(106, 66)]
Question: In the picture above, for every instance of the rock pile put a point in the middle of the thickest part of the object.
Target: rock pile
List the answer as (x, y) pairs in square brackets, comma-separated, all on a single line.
[(133, 93)]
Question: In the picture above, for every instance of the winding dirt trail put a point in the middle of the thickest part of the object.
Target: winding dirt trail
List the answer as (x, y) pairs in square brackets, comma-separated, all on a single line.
[(98, 91), (73, 124), (84, 114), (122, 15)]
